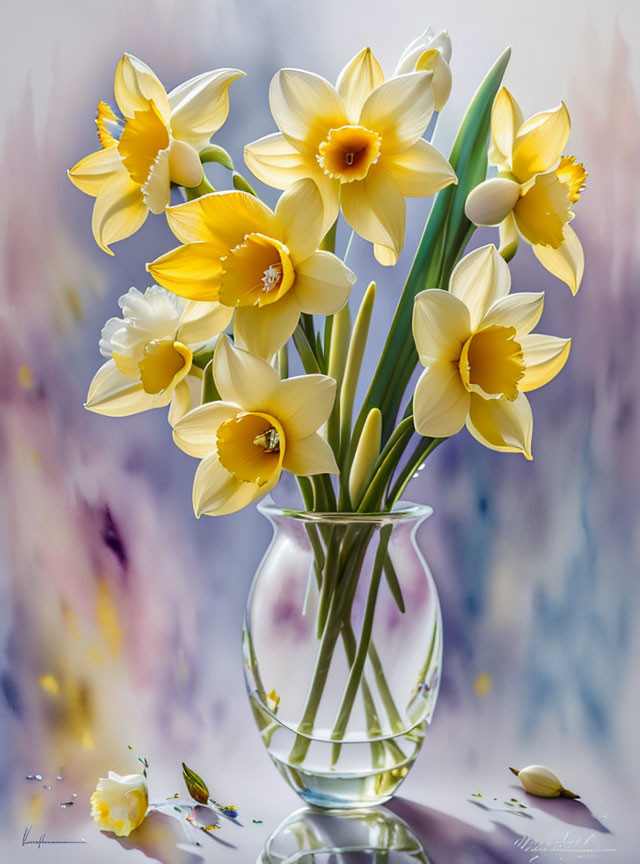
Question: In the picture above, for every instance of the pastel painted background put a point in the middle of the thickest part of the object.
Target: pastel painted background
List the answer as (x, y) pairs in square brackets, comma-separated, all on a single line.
[(120, 614)]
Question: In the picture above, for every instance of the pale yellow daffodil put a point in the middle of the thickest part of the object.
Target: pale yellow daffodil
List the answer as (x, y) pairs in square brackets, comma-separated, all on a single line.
[(361, 142), (264, 264), (157, 142), (120, 803), (262, 426), (430, 53), (480, 356), (151, 353), (535, 189)]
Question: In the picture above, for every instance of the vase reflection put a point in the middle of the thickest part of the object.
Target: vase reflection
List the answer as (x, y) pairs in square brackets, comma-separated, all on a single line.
[(374, 836)]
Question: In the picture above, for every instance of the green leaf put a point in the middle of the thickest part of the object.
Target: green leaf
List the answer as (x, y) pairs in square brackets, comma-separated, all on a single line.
[(209, 389), (241, 184), (446, 234), (196, 786), (305, 351)]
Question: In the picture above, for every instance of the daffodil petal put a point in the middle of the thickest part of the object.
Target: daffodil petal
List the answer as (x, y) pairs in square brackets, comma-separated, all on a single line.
[(186, 396), (200, 106), (502, 425), (440, 401), (195, 432), (399, 110), (433, 61), (135, 85), (375, 209), (310, 455), (543, 211), (192, 271), (566, 262), (242, 378), (116, 395), (91, 173), (419, 171), (540, 141), (492, 201), (509, 237), (441, 325), (305, 107), (479, 279), (274, 161), (506, 119), (521, 311), (544, 357), (360, 76), (323, 283), (303, 403), (414, 50), (263, 330), (156, 192), (217, 492), (301, 216), (118, 211), (222, 219), (200, 321)]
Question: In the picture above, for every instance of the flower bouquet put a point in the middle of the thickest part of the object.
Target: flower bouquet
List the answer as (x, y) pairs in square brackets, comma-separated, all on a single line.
[(342, 637)]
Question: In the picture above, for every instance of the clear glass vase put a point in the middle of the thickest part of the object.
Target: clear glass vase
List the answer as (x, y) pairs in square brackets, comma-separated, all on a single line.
[(343, 648)]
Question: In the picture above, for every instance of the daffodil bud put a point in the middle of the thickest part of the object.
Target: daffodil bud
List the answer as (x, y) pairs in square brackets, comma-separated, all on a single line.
[(366, 454), (119, 804), (196, 786), (185, 167), (540, 781)]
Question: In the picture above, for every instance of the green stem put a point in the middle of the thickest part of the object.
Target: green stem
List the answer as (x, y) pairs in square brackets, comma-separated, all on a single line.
[(424, 448), (193, 192)]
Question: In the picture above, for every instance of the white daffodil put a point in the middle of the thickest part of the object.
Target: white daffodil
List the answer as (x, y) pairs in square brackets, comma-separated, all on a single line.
[(430, 52), (265, 265), (262, 426), (360, 141), (480, 356), (536, 188), (157, 142), (151, 352), (120, 803)]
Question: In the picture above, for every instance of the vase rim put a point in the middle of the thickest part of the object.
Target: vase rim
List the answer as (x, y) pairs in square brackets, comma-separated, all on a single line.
[(403, 511)]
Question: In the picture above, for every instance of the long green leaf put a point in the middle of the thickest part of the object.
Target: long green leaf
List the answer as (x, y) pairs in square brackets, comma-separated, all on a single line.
[(446, 234)]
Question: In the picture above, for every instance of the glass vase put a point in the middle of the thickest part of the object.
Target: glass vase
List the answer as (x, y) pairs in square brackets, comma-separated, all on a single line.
[(343, 647)]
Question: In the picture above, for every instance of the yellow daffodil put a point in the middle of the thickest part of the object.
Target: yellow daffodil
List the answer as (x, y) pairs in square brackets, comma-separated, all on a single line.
[(360, 141), (262, 426), (157, 142), (480, 356), (430, 53), (535, 189), (119, 804), (264, 264), (150, 351)]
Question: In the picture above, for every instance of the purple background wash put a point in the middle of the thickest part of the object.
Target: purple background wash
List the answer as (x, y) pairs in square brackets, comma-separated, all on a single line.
[(120, 614)]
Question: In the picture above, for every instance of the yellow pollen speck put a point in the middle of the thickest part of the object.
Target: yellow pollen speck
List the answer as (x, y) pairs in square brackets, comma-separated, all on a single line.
[(483, 683), (49, 684), (25, 377)]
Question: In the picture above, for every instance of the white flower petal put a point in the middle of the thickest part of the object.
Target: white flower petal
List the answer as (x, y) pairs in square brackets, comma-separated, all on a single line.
[(492, 201), (419, 171), (305, 107), (440, 401), (263, 330), (216, 492), (521, 311), (360, 76), (274, 161), (300, 213), (186, 396), (375, 209), (502, 425), (201, 321), (302, 404), (310, 455), (544, 357), (156, 192), (506, 119), (441, 326), (242, 378), (195, 432), (116, 395), (399, 110), (135, 85), (479, 279), (200, 106), (566, 262), (323, 283)]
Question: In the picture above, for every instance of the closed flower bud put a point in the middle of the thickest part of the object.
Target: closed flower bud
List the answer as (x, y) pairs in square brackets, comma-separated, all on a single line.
[(366, 454), (196, 786), (540, 781), (119, 804)]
